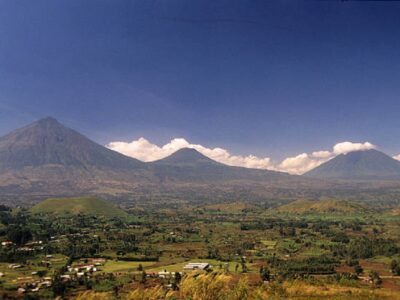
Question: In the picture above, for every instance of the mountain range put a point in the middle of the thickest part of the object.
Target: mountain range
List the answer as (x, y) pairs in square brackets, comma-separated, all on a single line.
[(47, 159)]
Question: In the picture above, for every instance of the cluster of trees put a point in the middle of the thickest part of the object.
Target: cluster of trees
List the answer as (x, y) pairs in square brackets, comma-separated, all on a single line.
[(313, 265), (395, 267)]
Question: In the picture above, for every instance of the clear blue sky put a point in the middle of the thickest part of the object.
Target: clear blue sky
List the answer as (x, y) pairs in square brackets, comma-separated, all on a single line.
[(272, 78)]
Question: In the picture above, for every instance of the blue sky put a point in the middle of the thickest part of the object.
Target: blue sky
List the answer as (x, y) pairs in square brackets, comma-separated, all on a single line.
[(271, 78)]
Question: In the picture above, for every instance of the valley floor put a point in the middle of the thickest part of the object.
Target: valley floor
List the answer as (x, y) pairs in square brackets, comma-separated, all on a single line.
[(249, 252)]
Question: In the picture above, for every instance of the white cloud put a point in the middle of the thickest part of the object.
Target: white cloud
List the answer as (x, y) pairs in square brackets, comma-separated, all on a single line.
[(146, 151), (321, 154), (299, 164), (397, 157), (346, 147)]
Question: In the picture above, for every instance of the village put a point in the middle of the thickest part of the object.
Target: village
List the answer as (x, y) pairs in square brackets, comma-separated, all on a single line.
[(84, 268)]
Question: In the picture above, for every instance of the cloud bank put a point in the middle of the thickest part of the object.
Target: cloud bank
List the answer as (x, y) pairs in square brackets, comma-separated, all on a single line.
[(144, 150), (397, 157)]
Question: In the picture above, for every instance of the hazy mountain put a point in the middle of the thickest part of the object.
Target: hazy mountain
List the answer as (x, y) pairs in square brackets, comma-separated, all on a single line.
[(186, 157), (47, 142), (47, 159), (190, 165), (360, 165)]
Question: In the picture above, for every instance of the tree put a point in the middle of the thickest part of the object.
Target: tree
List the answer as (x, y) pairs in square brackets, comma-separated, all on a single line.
[(178, 277), (59, 287), (375, 278), (358, 269), (395, 267), (143, 277), (19, 235), (265, 274), (42, 273), (243, 263), (140, 267)]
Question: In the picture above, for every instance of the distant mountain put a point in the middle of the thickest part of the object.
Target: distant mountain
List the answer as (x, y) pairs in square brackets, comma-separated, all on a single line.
[(190, 165), (81, 205), (186, 157), (46, 159), (359, 165), (47, 142)]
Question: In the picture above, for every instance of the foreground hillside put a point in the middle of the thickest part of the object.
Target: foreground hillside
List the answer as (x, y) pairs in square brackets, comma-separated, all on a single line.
[(75, 206)]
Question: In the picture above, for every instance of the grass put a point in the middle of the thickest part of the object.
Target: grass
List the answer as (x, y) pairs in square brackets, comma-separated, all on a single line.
[(323, 206), (269, 244), (32, 265), (288, 246), (81, 205), (112, 266)]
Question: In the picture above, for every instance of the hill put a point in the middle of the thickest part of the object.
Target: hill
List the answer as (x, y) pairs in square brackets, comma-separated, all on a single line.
[(359, 165), (82, 205), (323, 206)]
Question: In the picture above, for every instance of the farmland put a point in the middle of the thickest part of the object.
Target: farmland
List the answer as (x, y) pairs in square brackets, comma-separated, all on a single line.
[(276, 251)]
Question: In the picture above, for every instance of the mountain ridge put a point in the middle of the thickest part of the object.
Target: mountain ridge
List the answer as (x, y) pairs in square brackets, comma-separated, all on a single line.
[(47, 159)]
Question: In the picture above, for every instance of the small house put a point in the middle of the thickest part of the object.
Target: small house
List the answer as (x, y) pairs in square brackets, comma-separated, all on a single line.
[(197, 266)]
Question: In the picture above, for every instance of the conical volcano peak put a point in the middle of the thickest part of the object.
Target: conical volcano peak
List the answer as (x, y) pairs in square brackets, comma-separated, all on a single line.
[(366, 164), (48, 142), (48, 120), (187, 156)]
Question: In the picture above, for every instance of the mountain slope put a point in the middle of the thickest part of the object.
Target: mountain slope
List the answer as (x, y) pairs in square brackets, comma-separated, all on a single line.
[(81, 205), (47, 142), (360, 165), (190, 165)]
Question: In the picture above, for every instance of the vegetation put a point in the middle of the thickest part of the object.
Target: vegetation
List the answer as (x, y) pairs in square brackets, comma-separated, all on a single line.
[(325, 206), (252, 252), (81, 205)]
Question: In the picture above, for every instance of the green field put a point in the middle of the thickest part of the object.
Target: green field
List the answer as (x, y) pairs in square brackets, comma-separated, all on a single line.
[(81, 205), (112, 266)]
